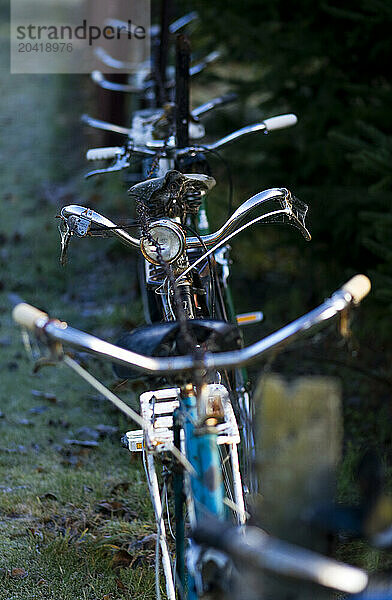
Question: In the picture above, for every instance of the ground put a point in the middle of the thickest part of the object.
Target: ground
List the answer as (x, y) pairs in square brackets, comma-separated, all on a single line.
[(69, 514), (75, 520)]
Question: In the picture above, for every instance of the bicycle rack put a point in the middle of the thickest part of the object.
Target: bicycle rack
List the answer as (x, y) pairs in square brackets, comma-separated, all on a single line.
[(157, 409)]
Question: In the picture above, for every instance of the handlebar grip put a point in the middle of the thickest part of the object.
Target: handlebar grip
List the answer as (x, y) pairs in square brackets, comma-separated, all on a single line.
[(358, 287), (280, 122), (103, 153), (27, 315)]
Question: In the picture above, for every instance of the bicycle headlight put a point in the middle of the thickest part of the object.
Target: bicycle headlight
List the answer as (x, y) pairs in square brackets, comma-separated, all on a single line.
[(166, 240)]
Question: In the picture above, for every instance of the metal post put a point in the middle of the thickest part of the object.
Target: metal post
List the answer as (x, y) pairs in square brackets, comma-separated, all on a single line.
[(183, 51)]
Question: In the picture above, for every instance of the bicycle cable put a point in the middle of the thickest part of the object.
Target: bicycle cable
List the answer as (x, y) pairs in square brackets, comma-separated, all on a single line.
[(212, 273), (228, 173)]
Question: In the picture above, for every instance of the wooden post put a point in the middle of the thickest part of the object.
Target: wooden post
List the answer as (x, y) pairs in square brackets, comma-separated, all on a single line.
[(298, 439), (114, 106)]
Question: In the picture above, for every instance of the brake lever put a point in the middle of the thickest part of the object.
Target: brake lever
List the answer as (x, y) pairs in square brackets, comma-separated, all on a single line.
[(65, 235), (121, 162), (297, 211), (80, 220), (67, 228), (79, 225)]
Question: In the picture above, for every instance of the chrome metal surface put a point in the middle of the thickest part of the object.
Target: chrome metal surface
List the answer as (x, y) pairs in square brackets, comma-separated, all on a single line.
[(104, 83), (67, 335), (135, 149), (182, 21), (169, 143), (94, 217), (238, 217), (213, 103), (112, 62), (172, 228), (275, 215), (211, 57), (82, 226), (222, 257), (283, 558), (228, 139), (65, 235), (235, 135), (125, 27), (121, 162), (98, 124), (253, 548)]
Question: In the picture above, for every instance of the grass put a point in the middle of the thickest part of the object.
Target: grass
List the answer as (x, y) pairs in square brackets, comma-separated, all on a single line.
[(55, 539)]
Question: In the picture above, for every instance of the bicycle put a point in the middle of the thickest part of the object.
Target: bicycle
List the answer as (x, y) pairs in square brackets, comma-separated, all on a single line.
[(164, 154), (199, 410), (196, 449), (183, 278)]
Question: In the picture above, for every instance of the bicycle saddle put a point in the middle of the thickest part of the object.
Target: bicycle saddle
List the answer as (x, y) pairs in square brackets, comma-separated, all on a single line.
[(165, 339), (169, 195)]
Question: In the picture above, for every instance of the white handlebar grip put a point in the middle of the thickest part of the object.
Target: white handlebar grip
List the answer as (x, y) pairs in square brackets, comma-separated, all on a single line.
[(280, 122), (27, 315), (358, 287), (103, 153)]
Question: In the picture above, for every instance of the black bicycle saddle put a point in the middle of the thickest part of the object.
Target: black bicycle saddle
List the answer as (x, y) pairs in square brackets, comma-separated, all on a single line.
[(166, 195), (166, 339)]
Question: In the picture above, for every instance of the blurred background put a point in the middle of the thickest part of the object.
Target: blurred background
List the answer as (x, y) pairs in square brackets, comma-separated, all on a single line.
[(327, 62)]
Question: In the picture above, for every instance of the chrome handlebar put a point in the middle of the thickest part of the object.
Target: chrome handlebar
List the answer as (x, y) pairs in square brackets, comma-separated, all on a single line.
[(167, 149), (196, 112), (214, 103), (105, 126), (237, 217), (281, 195), (181, 22), (75, 212), (154, 32), (255, 549), (55, 331), (279, 122), (99, 78)]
